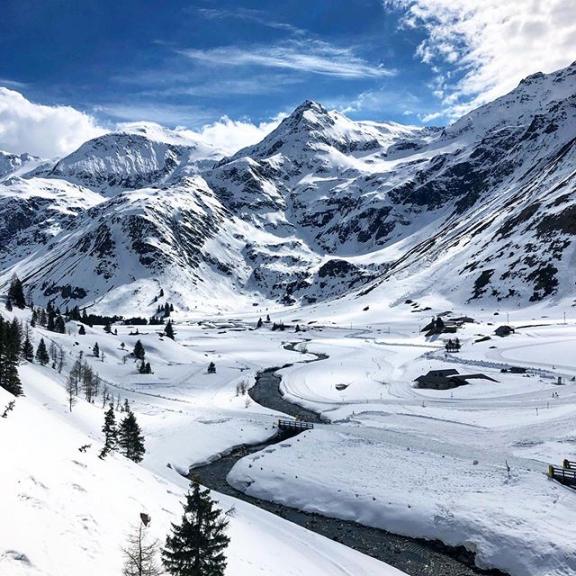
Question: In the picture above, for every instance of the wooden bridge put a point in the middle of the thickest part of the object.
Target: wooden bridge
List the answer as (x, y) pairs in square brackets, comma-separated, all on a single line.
[(565, 474), (294, 426)]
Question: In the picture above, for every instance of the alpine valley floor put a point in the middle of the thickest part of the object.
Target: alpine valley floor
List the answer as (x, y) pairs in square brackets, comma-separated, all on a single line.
[(465, 466)]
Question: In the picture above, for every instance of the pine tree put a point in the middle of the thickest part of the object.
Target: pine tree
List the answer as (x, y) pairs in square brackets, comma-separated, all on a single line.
[(96, 350), (81, 330), (169, 330), (107, 328), (28, 349), (259, 323), (10, 348), (59, 324), (139, 351), (197, 546), (211, 368), (140, 556), (9, 306), (16, 293), (60, 362), (110, 431), (130, 438), (42, 354)]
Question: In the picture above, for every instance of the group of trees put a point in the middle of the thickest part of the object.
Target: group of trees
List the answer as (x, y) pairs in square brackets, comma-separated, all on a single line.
[(125, 437), (15, 296), (276, 326), (83, 379), (140, 354), (260, 322), (91, 319), (164, 310), (195, 547), (49, 318), (453, 345)]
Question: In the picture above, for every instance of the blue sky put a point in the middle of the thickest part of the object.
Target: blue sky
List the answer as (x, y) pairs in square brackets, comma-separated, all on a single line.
[(74, 68), (191, 62)]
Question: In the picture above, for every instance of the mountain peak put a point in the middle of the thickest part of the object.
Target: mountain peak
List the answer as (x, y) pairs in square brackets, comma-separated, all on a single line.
[(310, 105)]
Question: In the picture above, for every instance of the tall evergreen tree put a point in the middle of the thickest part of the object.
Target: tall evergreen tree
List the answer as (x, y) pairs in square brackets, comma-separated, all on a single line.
[(28, 350), (169, 330), (130, 438), (42, 353), (139, 351), (96, 350), (110, 431), (81, 330), (16, 293), (10, 348), (197, 546), (59, 324)]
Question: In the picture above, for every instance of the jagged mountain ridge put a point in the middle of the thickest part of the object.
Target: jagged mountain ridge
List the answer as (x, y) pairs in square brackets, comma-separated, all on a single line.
[(321, 206)]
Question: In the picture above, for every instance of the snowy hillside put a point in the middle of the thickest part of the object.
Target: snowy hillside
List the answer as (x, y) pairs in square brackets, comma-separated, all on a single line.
[(68, 511), (14, 164)]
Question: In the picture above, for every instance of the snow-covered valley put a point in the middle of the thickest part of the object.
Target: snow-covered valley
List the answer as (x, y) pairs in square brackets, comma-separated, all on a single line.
[(466, 466)]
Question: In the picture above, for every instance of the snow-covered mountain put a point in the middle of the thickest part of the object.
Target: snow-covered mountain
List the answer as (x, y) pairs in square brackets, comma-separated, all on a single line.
[(322, 206), (13, 164), (128, 161)]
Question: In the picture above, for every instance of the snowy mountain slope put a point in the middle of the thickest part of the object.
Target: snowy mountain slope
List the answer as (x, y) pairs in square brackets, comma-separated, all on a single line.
[(323, 206), (120, 161), (34, 211), (140, 235), (16, 164), (69, 511)]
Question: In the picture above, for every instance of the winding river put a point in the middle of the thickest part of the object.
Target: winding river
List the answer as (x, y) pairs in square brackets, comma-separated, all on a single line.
[(416, 557)]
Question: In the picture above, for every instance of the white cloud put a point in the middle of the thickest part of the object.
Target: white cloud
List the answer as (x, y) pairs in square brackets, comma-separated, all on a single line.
[(232, 135), (46, 131), (490, 45), (52, 131), (225, 135), (249, 15), (310, 56)]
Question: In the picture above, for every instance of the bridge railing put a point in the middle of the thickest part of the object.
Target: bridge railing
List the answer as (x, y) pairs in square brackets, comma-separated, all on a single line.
[(563, 475), (294, 425)]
